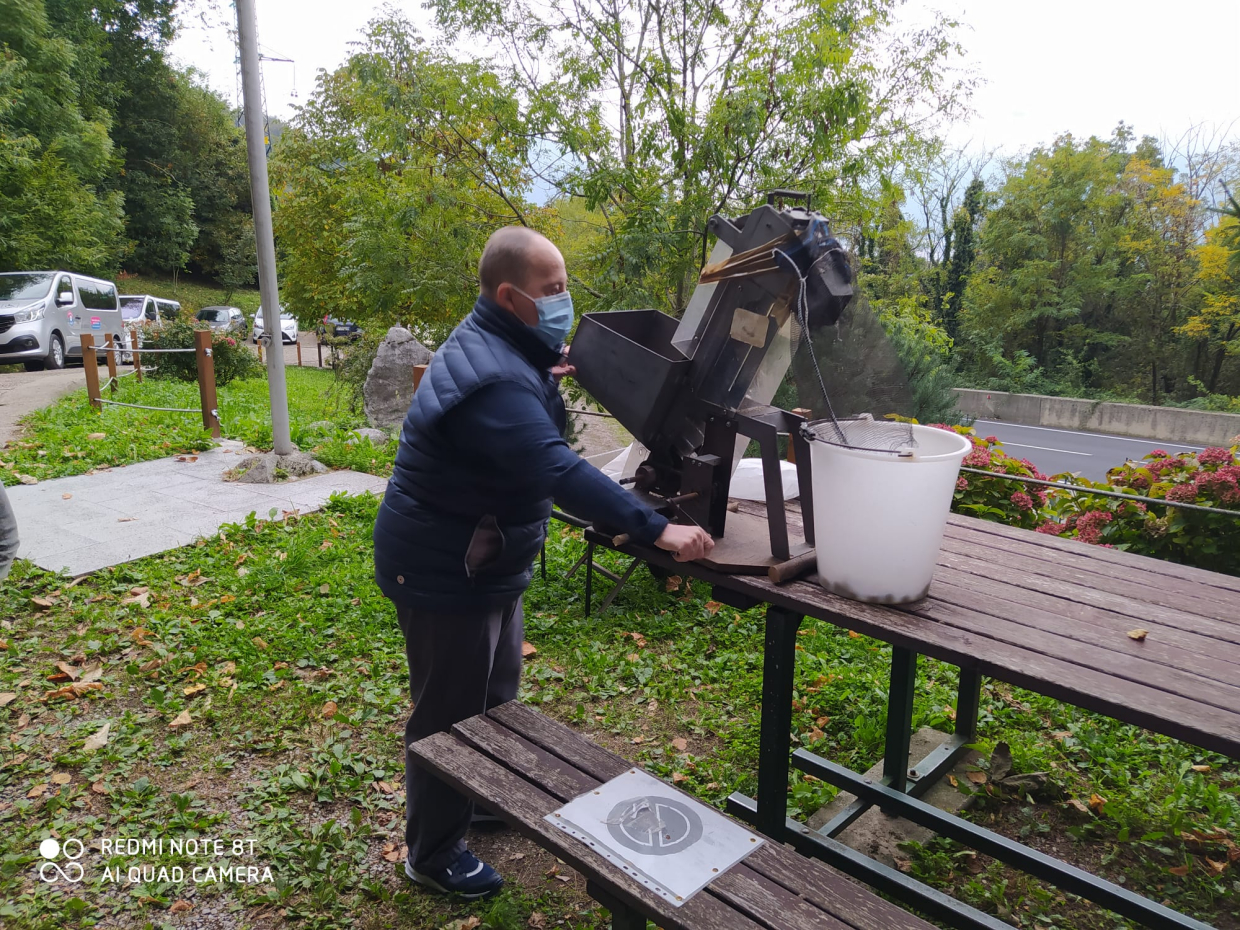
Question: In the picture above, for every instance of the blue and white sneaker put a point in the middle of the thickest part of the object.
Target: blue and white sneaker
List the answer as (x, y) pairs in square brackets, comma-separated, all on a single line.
[(468, 877)]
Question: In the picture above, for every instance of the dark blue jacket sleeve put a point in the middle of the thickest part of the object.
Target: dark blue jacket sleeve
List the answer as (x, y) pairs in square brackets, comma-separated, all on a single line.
[(505, 424)]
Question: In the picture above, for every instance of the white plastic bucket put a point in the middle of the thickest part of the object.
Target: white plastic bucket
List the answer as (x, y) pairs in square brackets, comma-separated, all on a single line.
[(878, 517)]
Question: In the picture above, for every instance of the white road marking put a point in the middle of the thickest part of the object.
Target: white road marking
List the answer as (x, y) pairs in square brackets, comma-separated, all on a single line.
[(1050, 429), (1017, 445)]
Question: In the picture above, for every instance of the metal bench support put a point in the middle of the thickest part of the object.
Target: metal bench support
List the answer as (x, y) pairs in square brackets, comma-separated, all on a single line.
[(622, 916)]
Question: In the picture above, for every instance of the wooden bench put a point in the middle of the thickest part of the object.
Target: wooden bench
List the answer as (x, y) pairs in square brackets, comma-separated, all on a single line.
[(523, 766)]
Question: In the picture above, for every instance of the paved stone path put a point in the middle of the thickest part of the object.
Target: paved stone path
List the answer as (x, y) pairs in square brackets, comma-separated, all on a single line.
[(88, 522), (22, 392)]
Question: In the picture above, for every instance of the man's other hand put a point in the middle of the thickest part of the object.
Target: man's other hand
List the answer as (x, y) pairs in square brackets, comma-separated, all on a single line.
[(688, 543), (564, 369)]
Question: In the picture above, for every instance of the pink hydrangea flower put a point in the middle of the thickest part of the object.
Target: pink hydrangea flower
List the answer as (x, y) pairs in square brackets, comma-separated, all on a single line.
[(1158, 454), (1215, 456), (992, 439), (962, 483), (1089, 526), (978, 458), (1051, 528), (1022, 501), (1183, 493)]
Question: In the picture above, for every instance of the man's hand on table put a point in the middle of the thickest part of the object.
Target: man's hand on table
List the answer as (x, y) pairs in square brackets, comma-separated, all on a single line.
[(687, 543)]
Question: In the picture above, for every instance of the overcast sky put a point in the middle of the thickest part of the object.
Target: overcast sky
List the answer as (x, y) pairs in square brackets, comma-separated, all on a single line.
[(1049, 66)]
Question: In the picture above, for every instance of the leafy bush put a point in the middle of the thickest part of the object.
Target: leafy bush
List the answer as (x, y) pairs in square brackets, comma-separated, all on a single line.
[(1207, 540), (1012, 502), (233, 360)]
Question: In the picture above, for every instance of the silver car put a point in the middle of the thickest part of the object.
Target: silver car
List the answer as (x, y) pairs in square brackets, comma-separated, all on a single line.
[(44, 314), (223, 319)]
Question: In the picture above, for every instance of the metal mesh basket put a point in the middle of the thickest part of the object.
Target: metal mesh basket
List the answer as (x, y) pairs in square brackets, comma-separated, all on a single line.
[(866, 434)]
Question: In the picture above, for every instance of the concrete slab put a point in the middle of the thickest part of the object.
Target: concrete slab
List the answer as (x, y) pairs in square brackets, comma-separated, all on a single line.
[(878, 835), (128, 513)]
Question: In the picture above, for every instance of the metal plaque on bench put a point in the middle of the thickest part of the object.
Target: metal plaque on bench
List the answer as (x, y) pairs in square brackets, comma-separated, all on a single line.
[(671, 843)]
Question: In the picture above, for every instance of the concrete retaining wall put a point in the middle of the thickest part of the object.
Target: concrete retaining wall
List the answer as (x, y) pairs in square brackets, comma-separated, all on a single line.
[(1168, 424)]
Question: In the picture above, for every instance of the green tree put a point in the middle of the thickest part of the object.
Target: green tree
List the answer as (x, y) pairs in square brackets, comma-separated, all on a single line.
[(389, 181), (54, 160), (660, 113)]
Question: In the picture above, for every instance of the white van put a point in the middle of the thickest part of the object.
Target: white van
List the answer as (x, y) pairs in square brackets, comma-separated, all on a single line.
[(43, 315), (137, 309)]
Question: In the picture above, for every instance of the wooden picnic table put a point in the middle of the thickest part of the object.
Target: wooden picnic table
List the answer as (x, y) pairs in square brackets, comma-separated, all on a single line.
[(1145, 641)]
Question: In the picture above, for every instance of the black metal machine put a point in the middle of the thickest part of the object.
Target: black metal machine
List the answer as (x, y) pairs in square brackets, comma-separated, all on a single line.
[(686, 388)]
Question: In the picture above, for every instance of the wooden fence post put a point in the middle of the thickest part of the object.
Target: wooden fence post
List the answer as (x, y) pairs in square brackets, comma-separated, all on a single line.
[(260, 349), (90, 362), (319, 344), (418, 372), (299, 351), (137, 362), (206, 381), (111, 354)]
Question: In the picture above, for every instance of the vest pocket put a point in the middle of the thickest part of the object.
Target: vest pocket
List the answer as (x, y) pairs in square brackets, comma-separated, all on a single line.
[(485, 547)]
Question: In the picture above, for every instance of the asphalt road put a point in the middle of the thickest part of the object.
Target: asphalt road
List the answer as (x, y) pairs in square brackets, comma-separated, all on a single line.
[(25, 391), (1053, 451)]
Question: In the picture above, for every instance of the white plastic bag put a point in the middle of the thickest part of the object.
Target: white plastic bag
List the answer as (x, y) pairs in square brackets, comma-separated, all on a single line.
[(625, 464), (747, 483)]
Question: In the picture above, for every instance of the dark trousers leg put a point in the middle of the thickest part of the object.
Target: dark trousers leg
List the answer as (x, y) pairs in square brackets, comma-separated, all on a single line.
[(459, 666)]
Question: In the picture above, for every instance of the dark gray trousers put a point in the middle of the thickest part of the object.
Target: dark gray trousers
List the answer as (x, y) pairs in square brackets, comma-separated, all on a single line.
[(460, 665)]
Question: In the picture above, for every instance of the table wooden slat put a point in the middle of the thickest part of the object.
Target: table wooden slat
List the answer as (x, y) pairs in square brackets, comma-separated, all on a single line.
[(1141, 595), (1174, 648), (1135, 570), (1076, 548)]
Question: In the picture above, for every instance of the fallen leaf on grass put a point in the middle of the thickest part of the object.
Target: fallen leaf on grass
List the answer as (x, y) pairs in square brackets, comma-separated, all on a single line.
[(1061, 734), (1180, 870), (815, 735), (329, 710), (712, 607), (259, 642), (1217, 867), (951, 780), (73, 691), (72, 671), (528, 649), (383, 787), (1138, 634), (390, 852), (143, 600), (23, 721), (180, 907), (673, 583), (92, 674), (183, 719), (100, 788), (96, 435), (43, 602), (680, 743), (7, 698), (37, 791), (465, 923), (1201, 768), (191, 690), (515, 856), (978, 778), (227, 668), (678, 777), (27, 479), (537, 921), (98, 739), (1096, 803), (139, 636), (61, 778), (324, 588)]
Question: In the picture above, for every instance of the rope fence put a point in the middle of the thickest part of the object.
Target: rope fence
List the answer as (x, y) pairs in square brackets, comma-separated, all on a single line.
[(206, 376)]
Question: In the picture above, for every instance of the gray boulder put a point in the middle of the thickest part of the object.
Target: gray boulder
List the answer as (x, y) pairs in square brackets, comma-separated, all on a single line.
[(299, 465), (377, 437), (256, 469), (389, 384)]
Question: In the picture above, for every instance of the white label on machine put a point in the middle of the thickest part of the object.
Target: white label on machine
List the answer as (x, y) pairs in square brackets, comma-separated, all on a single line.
[(671, 843)]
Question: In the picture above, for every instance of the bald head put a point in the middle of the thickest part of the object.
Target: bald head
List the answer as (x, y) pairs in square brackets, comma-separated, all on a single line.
[(517, 267), (511, 254)]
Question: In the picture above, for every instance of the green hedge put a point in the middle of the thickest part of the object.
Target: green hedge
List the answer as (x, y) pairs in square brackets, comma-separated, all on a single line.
[(233, 359)]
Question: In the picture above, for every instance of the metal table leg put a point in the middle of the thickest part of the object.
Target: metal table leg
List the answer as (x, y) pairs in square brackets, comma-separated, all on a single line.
[(778, 668), (899, 717), (589, 576)]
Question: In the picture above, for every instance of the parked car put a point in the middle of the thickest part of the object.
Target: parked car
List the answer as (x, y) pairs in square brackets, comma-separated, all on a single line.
[(223, 319), (340, 329), (43, 315), (143, 308), (288, 326)]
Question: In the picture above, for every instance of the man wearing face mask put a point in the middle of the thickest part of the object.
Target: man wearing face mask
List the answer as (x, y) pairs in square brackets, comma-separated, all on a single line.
[(482, 456)]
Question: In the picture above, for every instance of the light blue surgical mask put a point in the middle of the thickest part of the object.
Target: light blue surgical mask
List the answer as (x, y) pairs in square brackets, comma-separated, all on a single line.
[(555, 317)]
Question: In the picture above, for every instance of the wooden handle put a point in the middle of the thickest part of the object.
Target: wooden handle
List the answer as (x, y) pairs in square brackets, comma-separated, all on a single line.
[(793, 568)]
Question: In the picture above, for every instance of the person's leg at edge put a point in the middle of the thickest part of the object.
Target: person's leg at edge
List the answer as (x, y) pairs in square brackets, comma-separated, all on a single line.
[(451, 660)]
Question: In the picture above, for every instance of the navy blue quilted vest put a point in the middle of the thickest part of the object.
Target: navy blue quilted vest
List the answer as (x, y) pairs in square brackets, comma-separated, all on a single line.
[(453, 532)]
